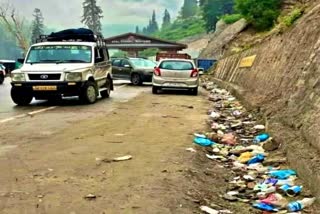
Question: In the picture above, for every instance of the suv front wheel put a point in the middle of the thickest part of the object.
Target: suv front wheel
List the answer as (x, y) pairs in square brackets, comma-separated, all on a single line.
[(107, 91), (21, 97), (89, 93)]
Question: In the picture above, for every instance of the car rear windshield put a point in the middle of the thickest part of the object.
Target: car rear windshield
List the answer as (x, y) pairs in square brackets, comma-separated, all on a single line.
[(176, 65)]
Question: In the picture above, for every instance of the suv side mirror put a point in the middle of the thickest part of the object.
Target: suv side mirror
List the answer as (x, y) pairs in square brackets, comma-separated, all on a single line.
[(127, 66), (21, 60)]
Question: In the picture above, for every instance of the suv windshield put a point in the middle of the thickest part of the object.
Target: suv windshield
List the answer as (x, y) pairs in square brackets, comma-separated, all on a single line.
[(60, 54), (143, 63)]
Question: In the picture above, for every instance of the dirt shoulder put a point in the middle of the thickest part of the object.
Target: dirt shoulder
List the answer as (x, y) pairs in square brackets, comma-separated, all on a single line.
[(52, 175)]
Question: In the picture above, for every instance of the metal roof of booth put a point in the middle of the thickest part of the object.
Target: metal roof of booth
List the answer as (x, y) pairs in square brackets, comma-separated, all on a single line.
[(133, 41)]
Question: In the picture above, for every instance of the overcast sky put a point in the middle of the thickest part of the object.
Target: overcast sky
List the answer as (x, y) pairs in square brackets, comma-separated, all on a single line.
[(67, 13)]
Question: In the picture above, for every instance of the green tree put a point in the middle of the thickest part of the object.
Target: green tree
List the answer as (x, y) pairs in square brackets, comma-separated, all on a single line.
[(214, 9), (92, 15), (189, 8), (166, 19), (154, 27), (202, 2), (262, 14), (37, 25), (137, 29)]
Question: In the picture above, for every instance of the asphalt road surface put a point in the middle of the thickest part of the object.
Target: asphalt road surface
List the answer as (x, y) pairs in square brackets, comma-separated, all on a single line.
[(8, 110)]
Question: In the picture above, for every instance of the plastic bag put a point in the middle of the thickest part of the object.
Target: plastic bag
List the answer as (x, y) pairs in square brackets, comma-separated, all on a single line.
[(282, 174), (203, 141)]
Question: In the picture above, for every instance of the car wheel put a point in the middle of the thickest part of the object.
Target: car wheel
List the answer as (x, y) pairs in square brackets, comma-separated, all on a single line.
[(194, 91), (21, 97), (89, 93), (155, 89), (106, 93), (136, 79), (1, 79)]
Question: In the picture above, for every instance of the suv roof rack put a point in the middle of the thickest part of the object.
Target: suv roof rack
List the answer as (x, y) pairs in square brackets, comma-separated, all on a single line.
[(73, 35)]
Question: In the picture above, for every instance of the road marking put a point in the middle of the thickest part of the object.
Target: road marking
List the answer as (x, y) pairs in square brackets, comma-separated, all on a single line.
[(27, 114), (41, 110)]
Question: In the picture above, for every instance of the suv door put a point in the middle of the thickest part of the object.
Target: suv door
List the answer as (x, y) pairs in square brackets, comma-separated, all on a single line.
[(101, 67)]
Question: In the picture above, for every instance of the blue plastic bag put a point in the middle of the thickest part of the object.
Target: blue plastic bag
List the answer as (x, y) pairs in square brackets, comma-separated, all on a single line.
[(282, 174), (261, 138), (256, 159), (203, 141), (265, 207)]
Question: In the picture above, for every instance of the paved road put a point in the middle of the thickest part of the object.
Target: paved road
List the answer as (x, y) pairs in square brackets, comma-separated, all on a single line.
[(9, 110)]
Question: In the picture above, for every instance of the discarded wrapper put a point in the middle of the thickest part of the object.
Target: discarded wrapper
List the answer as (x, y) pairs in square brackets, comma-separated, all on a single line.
[(124, 158)]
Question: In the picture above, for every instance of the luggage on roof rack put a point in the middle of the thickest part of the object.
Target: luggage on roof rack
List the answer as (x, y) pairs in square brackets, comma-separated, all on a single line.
[(75, 35)]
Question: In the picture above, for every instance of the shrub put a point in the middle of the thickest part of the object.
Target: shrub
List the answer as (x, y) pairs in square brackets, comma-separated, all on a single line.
[(293, 16), (262, 14), (230, 19)]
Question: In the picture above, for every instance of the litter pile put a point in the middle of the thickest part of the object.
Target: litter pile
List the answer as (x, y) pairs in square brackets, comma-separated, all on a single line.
[(241, 144)]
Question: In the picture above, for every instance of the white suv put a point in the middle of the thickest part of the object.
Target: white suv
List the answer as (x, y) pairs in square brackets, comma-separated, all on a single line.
[(67, 63)]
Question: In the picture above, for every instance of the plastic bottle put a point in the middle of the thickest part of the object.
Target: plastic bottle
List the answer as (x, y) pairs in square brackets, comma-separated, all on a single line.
[(261, 138), (301, 204)]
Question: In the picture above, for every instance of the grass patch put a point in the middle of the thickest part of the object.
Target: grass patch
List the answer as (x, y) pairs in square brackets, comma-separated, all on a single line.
[(232, 18), (292, 17)]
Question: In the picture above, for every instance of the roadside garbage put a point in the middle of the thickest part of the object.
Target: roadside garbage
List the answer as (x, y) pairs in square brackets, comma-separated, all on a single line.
[(276, 200), (257, 159), (240, 144), (208, 210), (261, 138), (265, 207), (282, 174), (191, 150), (203, 141), (260, 127), (90, 197), (229, 139), (245, 157), (291, 191), (300, 205), (124, 158)]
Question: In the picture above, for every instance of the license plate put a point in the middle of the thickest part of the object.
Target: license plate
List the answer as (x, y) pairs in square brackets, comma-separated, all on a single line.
[(45, 88), (175, 84)]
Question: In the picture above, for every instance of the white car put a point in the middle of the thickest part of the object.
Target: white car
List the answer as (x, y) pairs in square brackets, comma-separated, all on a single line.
[(176, 74)]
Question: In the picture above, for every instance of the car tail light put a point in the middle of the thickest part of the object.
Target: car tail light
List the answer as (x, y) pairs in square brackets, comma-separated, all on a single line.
[(195, 73), (157, 72)]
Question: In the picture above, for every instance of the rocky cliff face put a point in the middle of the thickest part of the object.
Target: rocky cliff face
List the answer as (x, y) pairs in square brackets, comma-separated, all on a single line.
[(284, 83), (217, 45)]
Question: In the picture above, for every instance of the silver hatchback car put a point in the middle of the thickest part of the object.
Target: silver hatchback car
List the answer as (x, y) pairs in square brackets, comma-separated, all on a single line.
[(175, 74)]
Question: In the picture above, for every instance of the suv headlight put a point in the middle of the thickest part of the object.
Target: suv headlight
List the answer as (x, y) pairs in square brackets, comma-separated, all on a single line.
[(18, 77), (74, 77)]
